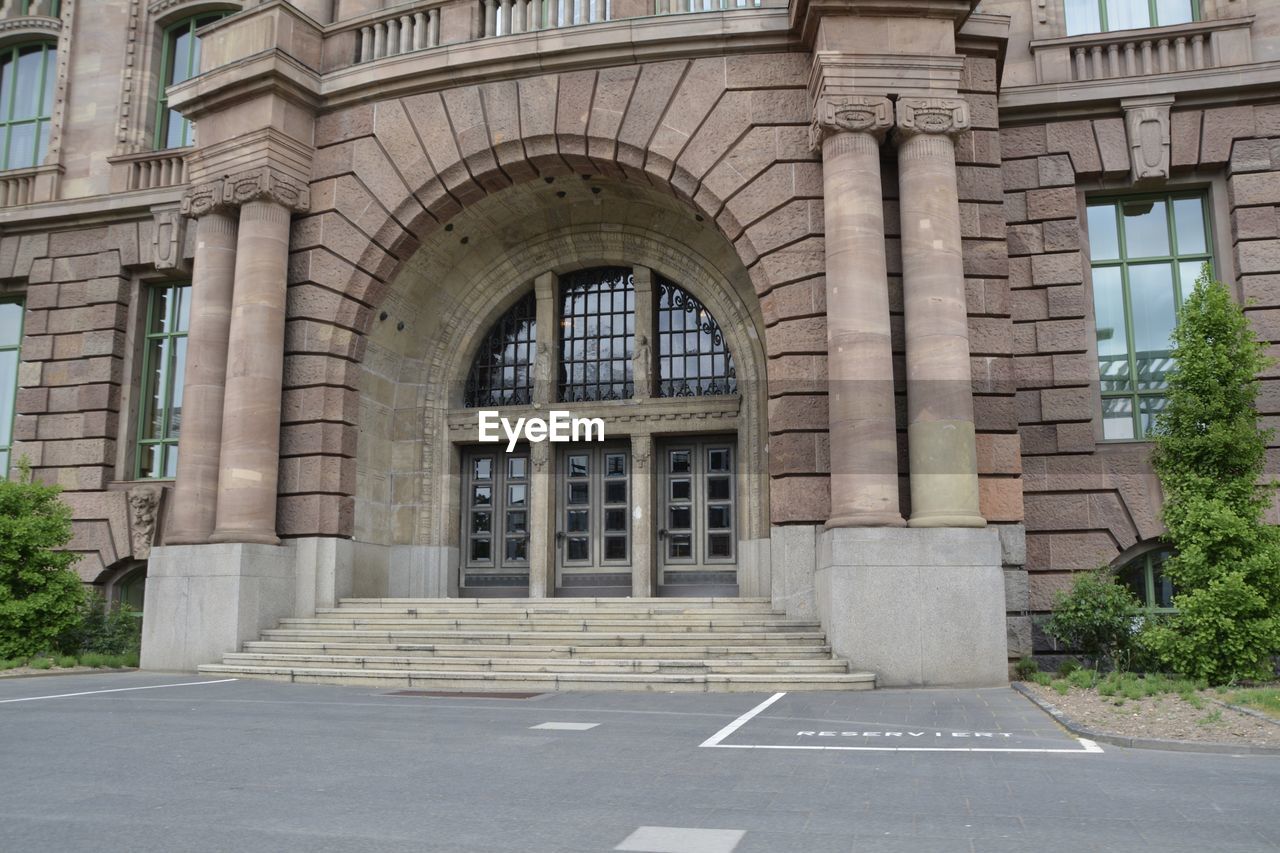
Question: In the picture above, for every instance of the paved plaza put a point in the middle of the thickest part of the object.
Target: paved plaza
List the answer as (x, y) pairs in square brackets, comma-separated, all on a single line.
[(178, 763)]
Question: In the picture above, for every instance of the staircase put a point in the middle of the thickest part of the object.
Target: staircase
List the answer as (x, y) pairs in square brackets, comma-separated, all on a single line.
[(659, 644)]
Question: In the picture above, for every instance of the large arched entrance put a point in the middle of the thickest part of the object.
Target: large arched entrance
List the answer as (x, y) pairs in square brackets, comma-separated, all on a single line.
[(602, 299)]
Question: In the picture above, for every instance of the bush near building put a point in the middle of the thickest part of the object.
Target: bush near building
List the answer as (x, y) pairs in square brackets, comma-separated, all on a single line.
[(1209, 456)]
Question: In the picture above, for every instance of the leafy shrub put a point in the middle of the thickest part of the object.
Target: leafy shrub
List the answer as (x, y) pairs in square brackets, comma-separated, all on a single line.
[(1044, 679), (40, 663), (40, 595), (66, 661), (1095, 617), (1067, 666), (1209, 456), (103, 627), (1025, 668)]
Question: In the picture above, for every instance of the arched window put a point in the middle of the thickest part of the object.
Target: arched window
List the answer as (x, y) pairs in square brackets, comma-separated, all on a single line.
[(597, 334), (131, 588), (1144, 576), (27, 76), (180, 61), (693, 359), (596, 355), (502, 373)]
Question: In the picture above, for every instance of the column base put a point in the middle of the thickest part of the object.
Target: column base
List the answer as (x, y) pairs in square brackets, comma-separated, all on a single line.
[(943, 519), (203, 601), (866, 519), (253, 537), (185, 537), (918, 607)]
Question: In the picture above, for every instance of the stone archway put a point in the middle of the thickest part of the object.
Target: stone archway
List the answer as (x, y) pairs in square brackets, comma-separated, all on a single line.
[(725, 138)]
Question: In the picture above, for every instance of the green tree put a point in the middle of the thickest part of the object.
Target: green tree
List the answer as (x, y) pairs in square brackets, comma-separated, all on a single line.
[(1209, 456), (40, 596), (1096, 618)]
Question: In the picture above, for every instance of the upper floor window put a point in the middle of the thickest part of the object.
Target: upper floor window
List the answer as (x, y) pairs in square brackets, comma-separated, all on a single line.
[(1146, 253), (1144, 576), (597, 334), (693, 359), (164, 361), (181, 61), (10, 343), (27, 76), (44, 8), (1100, 16)]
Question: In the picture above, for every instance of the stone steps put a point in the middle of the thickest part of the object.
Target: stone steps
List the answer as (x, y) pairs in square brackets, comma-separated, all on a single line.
[(686, 644)]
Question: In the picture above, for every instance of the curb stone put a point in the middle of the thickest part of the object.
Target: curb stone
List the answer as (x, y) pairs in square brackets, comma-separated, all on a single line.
[(1249, 711), (1141, 742), (53, 673)]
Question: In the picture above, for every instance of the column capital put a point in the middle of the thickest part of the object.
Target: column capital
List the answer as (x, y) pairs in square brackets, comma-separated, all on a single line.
[(849, 114), (931, 116), (203, 199), (266, 184)]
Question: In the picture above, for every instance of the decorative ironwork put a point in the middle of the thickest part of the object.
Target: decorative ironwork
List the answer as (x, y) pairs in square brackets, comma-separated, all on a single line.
[(693, 358), (502, 373), (597, 335)]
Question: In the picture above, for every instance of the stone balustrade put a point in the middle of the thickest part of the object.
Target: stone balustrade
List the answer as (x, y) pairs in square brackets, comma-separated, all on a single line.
[(149, 170), (17, 187), (1144, 52), (398, 34)]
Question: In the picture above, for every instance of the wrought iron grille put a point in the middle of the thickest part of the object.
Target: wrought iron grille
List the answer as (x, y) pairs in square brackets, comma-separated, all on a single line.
[(502, 373), (693, 359), (597, 334)]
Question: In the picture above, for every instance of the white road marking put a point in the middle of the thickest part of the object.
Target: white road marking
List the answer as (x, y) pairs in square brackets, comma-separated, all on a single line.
[(715, 739), (566, 727), (115, 690), (679, 839)]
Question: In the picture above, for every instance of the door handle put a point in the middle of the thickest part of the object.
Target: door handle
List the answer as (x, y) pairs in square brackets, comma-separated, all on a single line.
[(662, 534), (559, 537)]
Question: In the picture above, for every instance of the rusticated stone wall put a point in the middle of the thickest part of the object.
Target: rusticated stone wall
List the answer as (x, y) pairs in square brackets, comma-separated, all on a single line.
[(1088, 502)]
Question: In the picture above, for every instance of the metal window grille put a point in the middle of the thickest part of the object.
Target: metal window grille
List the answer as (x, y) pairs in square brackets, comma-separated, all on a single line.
[(598, 324), (693, 359), (502, 372)]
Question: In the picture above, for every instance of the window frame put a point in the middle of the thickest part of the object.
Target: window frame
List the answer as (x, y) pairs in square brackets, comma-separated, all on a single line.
[(48, 80), (55, 8), (1153, 6), (1147, 560), (1123, 261), (145, 392), (7, 449), (168, 39)]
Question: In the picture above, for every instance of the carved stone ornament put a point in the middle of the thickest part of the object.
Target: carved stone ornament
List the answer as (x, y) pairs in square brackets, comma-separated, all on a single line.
[(202, 199), (640, 454), (1147, 126), (266, 184), (144, 508), (849, 114), (938, 116), (167, 238)]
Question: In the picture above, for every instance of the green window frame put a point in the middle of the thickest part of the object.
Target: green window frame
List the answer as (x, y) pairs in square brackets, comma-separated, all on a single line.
[(1146, 253), (11, 319), (27, 76), (1104, 16), (1144, 576), (179, 61), (164, 359), (32, 7)]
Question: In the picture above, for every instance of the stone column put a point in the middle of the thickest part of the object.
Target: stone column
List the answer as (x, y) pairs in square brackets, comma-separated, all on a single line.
[(542, 515), (940, 431), (249, 469), (864, 456), (200, 441), (642, 500)]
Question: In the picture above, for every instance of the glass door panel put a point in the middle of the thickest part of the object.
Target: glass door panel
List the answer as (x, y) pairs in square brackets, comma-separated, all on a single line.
[(495, 518), (697, 537), (593, 533)]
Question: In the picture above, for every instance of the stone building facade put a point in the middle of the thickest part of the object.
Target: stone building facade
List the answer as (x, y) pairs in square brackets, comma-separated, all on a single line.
[(863, 292)]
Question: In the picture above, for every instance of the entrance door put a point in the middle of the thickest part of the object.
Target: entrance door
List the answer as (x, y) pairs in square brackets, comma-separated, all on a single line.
[(698, 531), (593, 521), (496, 518)]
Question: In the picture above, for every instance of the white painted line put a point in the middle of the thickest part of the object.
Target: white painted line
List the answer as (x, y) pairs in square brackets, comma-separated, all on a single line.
[(715, 739), (679, 839), (566, 727), (1089, 747), (116, 690)]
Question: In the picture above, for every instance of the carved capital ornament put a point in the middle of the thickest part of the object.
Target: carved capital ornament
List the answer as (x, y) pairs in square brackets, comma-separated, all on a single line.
[(933, 116), (266, 184), (849, 114)]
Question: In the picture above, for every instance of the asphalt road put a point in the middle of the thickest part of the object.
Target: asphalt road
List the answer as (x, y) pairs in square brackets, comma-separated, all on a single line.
[(258, 766)]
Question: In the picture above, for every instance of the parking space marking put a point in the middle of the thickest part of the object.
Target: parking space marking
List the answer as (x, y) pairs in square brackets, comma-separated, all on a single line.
[(679, 839), (716, 741), (115, 690), (566, 727)]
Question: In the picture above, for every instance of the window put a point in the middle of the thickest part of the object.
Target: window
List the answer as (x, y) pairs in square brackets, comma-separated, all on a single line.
[(10, 342), (164, 359), (180, 61), (502, 373), (1147, 252), (497, 509), (1145, 578), (45, 8), (599, 348), (693, 359), (27, 76), (1100, 16)]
